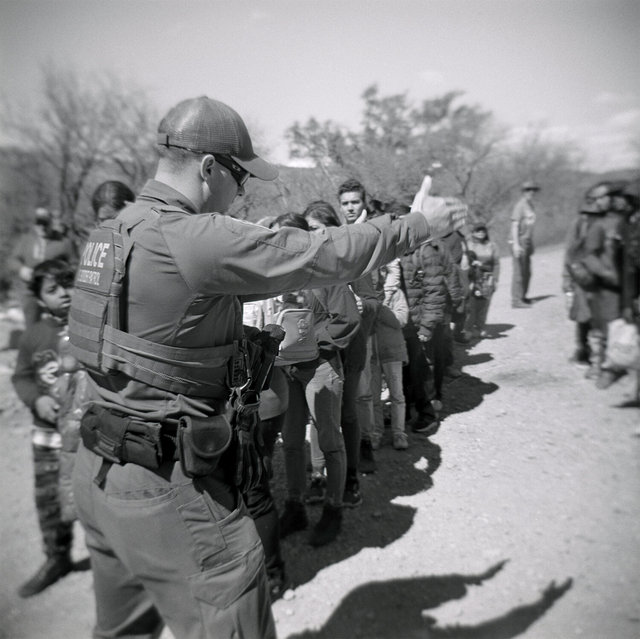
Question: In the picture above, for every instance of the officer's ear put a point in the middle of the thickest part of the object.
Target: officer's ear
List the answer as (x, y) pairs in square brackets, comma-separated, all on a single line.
[(206, 166)]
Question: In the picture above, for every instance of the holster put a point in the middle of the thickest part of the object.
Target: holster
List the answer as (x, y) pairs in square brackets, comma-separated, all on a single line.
[(201, 442), (120, 438)]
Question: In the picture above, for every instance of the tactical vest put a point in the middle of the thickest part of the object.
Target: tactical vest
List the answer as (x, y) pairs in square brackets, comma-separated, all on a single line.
[(96, 321)]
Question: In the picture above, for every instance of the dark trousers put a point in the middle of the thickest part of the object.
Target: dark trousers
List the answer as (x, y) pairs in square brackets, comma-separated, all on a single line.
[(439, 356), (417, 376), (349, 418), (521, 276)]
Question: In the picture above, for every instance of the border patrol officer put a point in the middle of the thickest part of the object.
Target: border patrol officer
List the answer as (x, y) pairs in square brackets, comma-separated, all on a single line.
[(157, 320)]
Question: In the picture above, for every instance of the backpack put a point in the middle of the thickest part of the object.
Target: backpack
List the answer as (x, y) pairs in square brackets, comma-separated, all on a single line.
[(299, 343)]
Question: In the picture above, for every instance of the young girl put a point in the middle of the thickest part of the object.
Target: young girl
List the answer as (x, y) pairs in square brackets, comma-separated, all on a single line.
[(484, 273)]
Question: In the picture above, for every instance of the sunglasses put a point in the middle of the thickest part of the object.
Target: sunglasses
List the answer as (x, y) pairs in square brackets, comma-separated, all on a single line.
[(239, 174)]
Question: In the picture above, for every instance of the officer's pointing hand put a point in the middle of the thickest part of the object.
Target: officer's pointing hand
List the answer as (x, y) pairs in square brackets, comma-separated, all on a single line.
[(444, 214)]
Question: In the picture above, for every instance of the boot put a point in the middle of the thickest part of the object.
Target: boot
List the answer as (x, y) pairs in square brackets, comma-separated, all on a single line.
[(293, 518), (53, 569), (278, 583), (327, 529), (352, 497), (367, 461), (596, 357)]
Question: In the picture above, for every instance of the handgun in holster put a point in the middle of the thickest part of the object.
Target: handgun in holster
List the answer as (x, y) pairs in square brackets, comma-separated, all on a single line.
[(249, 459)]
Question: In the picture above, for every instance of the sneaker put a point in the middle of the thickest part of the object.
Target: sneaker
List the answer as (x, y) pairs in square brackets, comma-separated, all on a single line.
[(425, 428), (367, 461), (327, 529), (293, 518), (461, 338), (316, 491), (519, 305), (400, 441), (53, 569), (352, 497)]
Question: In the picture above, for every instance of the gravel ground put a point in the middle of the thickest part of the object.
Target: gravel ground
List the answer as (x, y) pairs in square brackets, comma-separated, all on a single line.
[(518, 518)]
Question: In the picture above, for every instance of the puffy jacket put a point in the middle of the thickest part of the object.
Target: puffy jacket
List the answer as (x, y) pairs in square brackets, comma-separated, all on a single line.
[(432, 285)]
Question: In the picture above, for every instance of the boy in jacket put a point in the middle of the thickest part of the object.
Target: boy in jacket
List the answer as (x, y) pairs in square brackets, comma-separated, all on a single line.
[(36, 381)]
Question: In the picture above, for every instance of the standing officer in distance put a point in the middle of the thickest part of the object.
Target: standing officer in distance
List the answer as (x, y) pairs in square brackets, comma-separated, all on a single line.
[(156, 479), (523, 221)]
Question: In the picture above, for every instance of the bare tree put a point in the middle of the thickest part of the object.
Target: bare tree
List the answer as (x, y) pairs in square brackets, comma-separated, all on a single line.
[(82, 130)]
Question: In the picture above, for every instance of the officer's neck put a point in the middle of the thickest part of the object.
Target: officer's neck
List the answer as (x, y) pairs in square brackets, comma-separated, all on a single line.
[(186, 182)]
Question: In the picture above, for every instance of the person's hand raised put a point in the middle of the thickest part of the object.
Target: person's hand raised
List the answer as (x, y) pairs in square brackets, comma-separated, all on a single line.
[(444, 214)]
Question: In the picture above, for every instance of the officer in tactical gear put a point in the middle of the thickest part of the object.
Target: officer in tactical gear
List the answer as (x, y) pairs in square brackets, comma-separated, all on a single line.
[(157, 321)]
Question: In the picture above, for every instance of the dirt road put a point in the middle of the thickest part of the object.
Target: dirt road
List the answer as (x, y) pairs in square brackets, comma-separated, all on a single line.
[(519, 518)]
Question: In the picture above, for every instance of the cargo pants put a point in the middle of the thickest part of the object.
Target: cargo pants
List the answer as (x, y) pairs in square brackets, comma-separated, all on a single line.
[(168, 549)]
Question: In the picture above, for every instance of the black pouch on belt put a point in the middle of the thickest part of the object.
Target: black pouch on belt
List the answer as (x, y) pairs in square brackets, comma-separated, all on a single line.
[(121, 439), (201, 443)]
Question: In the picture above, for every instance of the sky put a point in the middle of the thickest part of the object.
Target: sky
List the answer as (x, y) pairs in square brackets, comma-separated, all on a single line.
[(569, 67)]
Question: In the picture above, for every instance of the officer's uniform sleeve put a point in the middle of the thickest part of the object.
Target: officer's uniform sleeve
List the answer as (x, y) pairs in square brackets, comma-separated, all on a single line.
[(217, 254)]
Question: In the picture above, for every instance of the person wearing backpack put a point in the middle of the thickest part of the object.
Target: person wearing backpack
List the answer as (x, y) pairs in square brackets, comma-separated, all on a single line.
[(577, 281), (315, 390), (603, 260)]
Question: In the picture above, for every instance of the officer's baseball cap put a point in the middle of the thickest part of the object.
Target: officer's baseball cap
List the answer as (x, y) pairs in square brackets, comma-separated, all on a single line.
[(204, 125), (530, 186)]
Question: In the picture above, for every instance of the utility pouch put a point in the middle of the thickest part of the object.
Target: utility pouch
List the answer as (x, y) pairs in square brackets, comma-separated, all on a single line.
[(121, 439), (201, 443)]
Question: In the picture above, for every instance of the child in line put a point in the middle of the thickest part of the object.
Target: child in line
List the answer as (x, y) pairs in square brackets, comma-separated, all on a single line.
[(36, 381), (389, 356), (484, 273)]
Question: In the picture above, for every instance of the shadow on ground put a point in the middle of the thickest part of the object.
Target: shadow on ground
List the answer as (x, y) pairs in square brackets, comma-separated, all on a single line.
[(540, 298), (377, 522), (396, 608), (464, 393)]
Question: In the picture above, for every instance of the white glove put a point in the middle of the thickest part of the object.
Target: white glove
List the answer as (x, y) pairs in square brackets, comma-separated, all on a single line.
[(444, 215)]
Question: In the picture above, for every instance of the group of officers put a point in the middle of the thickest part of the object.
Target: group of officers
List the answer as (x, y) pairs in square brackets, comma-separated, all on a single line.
[(601, 273)]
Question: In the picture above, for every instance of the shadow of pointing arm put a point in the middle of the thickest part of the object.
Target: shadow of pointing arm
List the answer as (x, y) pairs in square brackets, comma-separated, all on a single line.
[(476, 580), (509, 625)]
